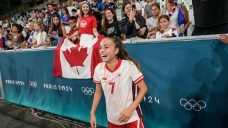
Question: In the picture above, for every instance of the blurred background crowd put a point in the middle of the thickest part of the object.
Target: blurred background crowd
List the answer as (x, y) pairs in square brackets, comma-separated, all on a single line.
[(79, 20)]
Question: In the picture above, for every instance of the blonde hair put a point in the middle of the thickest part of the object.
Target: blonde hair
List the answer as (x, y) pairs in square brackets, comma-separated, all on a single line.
[(40, 24)]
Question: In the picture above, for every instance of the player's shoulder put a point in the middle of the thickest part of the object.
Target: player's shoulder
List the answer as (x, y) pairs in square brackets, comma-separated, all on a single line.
[(127, 62), (100, 65)]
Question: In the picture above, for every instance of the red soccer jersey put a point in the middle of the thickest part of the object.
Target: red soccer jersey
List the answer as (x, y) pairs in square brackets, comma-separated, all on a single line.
[(87, 24)]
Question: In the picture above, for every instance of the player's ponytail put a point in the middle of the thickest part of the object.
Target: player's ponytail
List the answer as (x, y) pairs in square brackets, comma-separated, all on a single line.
[(123, 54)]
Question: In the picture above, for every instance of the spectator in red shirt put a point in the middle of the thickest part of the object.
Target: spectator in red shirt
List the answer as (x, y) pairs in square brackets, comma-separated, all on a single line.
[(87, 25)]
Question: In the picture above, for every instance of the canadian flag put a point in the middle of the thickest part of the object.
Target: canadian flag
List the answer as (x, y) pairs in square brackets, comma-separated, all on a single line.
[(75, 61)]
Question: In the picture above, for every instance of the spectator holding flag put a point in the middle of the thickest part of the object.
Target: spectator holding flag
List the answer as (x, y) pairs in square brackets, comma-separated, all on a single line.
[(119, 76), (87, 25), (73, 34)]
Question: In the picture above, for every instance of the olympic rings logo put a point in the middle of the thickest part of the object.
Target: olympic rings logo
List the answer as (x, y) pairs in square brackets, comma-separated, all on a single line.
[(192, 104), (87, 90), (33, 84)]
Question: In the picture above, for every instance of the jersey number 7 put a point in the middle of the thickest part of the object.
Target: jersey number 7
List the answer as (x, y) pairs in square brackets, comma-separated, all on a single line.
[(113, 86)]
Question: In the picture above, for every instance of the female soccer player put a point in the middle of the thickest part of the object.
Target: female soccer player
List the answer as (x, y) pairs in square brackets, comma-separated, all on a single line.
[(119, 76)]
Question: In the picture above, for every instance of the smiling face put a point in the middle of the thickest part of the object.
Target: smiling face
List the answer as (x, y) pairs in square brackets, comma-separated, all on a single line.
[(108, 50), (108, 15), (127, 9), (85, 8), (164, 23)]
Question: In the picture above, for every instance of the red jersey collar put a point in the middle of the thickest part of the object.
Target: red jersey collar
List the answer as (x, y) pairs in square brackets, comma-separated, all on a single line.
[(116, 67)]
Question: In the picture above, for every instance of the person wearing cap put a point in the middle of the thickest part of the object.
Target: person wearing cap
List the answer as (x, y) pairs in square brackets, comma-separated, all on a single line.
[(56, 38)]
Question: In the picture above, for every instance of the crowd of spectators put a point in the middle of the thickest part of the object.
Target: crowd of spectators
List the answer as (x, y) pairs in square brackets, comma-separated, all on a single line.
[(80, 20)]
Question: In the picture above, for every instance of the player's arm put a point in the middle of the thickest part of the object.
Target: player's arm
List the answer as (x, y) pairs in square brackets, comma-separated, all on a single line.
[(142, 92), (127, 113), (96, 100)]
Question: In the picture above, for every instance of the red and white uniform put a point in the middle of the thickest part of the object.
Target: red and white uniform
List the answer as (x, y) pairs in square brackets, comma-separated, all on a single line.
[(119, 87)]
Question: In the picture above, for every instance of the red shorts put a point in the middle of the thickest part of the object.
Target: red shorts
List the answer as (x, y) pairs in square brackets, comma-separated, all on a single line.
[(135, 124)]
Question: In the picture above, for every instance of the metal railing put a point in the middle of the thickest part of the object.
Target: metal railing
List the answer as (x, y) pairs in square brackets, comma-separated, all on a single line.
[(135, 41)]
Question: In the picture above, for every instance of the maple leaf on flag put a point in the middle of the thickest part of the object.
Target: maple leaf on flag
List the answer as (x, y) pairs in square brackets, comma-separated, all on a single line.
[(76, 57)]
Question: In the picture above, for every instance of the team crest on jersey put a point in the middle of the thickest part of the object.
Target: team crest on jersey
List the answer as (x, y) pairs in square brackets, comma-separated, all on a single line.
[(83, 23)]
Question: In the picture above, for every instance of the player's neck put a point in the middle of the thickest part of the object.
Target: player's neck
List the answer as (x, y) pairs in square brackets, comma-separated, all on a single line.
[(112, 63)]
